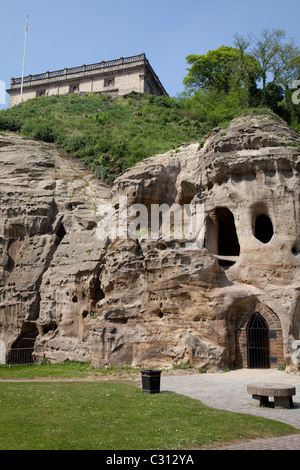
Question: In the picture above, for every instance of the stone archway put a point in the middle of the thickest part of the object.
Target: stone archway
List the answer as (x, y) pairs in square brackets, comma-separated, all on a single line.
[(268, 321)]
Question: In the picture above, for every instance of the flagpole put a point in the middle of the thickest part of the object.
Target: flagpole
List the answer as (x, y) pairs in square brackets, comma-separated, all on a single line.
[(24, 56)]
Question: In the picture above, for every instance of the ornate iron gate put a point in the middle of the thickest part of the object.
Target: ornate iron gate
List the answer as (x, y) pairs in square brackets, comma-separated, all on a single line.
[(258, 343)]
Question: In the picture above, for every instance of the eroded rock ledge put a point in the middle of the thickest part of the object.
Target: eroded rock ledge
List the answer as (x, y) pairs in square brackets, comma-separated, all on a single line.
[(156, 302)]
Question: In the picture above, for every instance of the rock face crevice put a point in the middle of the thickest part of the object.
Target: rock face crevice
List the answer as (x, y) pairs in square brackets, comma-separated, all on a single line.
[(155, 302)]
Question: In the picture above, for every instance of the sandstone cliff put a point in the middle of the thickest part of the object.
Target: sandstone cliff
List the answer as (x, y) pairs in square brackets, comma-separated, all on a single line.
[(155, 302)]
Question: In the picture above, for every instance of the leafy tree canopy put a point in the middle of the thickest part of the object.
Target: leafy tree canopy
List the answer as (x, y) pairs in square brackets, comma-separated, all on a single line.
[(257, 72), (220, 69), (277, 55), (273, 59)]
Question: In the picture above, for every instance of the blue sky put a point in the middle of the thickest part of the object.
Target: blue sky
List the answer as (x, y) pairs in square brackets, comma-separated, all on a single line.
[(64, 33)]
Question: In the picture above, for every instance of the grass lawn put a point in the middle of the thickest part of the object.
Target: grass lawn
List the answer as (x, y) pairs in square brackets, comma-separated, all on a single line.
[(116, 415), (63, 370)]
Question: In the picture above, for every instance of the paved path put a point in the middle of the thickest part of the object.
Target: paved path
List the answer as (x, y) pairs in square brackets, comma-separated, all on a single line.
[(228, 391)]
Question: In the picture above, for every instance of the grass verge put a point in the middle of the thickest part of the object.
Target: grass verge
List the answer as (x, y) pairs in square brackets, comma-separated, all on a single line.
[(63, 370), (116, 416)]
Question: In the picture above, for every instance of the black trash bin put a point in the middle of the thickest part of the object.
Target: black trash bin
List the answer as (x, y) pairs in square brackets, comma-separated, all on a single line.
[(151, 381)]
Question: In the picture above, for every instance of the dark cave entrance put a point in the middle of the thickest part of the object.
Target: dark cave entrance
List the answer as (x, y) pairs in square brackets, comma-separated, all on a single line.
[(228, 244), (221, 236), (263, 228), (22, 350)]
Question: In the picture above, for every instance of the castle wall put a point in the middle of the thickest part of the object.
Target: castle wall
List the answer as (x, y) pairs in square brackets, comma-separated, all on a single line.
[(115, 78)]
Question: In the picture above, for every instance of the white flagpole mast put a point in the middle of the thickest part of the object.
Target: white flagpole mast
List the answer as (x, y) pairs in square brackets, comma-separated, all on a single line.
[(24, 56)]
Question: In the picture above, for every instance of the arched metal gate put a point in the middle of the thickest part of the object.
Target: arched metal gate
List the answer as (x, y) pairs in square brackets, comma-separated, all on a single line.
[(258, 343)]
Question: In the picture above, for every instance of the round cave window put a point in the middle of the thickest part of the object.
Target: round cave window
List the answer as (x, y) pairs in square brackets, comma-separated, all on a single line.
[(263, 229)]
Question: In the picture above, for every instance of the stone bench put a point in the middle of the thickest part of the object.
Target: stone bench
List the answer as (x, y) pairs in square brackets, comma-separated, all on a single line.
[(282, 394)]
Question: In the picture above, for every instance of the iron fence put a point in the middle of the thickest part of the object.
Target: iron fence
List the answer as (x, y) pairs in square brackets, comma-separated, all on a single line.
[(21, 356)]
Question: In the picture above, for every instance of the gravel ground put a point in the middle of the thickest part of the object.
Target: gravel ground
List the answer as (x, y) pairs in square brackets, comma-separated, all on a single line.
[(228, 391)]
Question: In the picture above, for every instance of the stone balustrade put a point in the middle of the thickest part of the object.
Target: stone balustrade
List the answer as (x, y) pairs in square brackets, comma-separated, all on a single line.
[(80, 69)]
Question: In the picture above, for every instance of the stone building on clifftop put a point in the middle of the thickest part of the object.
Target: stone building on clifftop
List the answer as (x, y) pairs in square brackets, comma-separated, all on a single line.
[(115, 78)]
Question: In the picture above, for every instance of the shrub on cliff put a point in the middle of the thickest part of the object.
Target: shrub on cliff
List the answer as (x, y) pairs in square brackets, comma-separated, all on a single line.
[(38, 129), (109, 134)]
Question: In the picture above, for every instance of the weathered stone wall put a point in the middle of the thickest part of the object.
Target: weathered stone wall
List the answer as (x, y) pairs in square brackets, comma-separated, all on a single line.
[(155, 302)]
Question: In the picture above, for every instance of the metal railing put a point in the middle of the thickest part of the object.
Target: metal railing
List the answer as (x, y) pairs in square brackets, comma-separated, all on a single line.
[(83, 68), (21, 356)]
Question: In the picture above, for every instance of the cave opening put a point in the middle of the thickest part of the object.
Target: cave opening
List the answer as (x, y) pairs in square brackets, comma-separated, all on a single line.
[(221, 234), (61, 233), (228, 244), (263, 228), (22, 350)]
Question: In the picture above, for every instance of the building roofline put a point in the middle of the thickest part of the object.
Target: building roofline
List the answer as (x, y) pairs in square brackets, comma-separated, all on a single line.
[(87, 70)]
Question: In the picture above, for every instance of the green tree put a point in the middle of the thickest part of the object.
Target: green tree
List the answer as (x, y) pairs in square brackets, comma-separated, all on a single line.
[(276, 54), (222, 70), (272, 58), (211, 71)]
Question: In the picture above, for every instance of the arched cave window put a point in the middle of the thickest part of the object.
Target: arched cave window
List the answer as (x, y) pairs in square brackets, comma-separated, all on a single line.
[(263, 228), (221, 236), (228, 244)]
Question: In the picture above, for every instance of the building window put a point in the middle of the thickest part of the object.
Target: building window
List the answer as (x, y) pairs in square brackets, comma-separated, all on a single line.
[(109, 82), (74, 89)]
